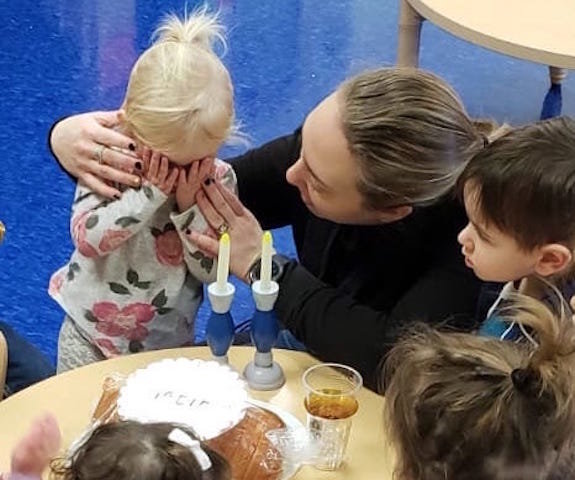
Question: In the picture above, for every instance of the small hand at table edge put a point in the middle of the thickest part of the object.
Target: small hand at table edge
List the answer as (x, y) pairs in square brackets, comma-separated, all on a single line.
[(34, 452)]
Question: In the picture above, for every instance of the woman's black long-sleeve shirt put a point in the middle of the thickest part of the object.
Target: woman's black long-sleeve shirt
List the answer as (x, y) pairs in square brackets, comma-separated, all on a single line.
[(355, 288)]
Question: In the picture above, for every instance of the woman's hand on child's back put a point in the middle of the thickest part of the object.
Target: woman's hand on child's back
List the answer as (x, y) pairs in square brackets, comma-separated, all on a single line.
[(159, 172), (190, 182)]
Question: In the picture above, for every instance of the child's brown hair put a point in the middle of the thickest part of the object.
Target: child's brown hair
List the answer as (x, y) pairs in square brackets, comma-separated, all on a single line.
[(130, 450), (524, 183), (461, 406)]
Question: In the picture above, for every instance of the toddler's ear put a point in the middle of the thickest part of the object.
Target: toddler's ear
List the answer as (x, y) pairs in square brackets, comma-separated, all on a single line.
[(554, 258)]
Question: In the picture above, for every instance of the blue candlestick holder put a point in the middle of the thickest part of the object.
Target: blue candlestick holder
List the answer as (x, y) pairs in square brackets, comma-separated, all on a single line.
[(263, 373), (220, 328)]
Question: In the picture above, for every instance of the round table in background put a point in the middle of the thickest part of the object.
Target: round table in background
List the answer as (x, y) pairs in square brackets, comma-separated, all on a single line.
[(539, 31), (71, 396)]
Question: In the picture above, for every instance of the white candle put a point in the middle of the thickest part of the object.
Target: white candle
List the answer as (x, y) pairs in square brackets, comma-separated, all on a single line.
[(266, 268), (223, 262)]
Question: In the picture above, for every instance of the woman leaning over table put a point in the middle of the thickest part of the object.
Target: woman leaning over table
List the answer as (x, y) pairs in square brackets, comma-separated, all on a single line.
[(366, 185)]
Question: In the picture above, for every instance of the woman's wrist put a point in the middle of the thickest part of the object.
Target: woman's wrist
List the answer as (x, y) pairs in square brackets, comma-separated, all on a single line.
[(51, 148), (253, 269), (279, 263)]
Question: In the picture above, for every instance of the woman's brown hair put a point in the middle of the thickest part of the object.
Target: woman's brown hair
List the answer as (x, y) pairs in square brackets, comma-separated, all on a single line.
[(410, 133), (462, 406), (129, 450)]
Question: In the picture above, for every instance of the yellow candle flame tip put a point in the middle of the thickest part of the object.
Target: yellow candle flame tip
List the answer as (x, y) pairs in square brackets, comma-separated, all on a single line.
[(225, 239), (267, 238)]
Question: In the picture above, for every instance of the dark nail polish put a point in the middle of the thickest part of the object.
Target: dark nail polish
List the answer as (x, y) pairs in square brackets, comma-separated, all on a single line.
[(138, 165), (207, 181), (188, 231), (132, 147), (117, 196)]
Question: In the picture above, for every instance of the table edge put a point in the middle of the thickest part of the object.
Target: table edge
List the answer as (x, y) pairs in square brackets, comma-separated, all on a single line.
[(492, 43)]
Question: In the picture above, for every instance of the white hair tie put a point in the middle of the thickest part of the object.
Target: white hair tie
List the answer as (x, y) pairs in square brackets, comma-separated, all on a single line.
[(182, 438)]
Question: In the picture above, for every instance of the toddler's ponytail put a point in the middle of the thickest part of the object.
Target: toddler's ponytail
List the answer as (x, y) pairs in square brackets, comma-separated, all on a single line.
[(548, 374), (461, 405), (180, 96), (199, 28)]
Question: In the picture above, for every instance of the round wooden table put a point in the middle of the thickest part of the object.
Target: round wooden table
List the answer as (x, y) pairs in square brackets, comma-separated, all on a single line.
[(71, 397), (540, 31)]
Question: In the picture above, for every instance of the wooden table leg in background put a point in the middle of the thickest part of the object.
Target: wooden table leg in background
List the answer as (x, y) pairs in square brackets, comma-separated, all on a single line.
[(557, 75), (408, 35), (553, 101)]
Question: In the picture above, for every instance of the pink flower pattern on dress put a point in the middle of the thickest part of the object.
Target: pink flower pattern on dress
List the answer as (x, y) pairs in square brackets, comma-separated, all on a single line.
[(108, 347), (127, 322), (169, 249), (79, 235), (112, 239)]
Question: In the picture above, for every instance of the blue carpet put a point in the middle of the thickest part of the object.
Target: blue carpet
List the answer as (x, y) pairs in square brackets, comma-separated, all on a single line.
[(65, 56)]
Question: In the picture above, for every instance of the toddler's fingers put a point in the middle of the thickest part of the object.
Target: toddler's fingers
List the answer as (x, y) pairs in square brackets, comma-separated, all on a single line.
[(172, 179), (164, 169), (146, 154), (193, 172), (154, 166), (206, 168), (182, 178)]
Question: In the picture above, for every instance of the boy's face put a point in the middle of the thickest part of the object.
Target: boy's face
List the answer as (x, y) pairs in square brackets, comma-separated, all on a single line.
[(493, 255)]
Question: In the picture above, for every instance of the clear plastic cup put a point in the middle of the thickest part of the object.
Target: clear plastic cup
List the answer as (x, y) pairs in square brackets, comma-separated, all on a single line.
[(330, 402)]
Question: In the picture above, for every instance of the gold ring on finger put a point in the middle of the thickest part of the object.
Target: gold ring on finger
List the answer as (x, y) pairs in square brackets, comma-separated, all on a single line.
[(99, 154), (223, 228)]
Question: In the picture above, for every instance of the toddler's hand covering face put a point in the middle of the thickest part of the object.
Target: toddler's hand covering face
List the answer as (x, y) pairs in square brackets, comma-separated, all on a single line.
[(159, 171), (190, 182)]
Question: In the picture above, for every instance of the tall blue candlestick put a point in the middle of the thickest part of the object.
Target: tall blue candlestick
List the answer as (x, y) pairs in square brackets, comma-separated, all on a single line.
[(220, 328), (263, 373)]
